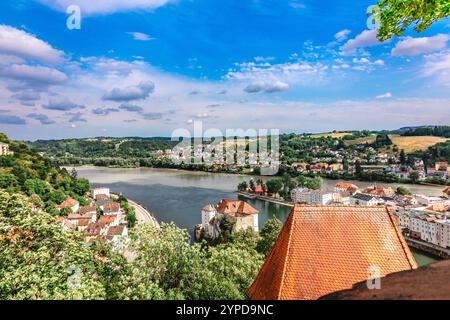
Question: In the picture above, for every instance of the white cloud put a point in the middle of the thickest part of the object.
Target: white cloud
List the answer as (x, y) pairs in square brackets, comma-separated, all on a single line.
[(367, 38), (139, 92), (438, 64), (268, 87), (384, 95), (415, 46), (342, 35), (90, 7), (139, 36), (37, 74), (22, 44)]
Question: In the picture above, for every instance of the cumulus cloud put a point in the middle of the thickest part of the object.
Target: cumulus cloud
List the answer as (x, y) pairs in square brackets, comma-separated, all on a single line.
[(139, 36), (384, 95), (266, 87), (266, 77), (415, 46), (37, 74), (342, 35), (139, 92), (367, 38), (10, 119), (106, 6), (22, 44), (62, 104), (27, 96), (42, 118)]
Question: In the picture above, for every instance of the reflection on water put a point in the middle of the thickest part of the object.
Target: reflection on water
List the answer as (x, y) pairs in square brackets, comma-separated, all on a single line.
[(423, 258)]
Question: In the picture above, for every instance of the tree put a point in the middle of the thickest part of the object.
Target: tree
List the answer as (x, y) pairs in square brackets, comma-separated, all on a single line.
[(404, 191), (274, 185), (39, 260), (402, 157), (243, 186), (269, 234), (251, 185), (81, 186), (395, 16), (414, 177)]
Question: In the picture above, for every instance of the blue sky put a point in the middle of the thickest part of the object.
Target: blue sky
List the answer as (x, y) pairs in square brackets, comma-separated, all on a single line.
[(147, 67)]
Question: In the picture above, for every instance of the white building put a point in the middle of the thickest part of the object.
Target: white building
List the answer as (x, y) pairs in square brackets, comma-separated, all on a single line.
[(313, 197), (361, 199), (443, 233), (209, 223), (4, 150), (427, 200), (100, 191), (425, 226)]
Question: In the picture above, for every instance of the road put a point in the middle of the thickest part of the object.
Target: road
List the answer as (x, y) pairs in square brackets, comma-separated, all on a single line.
[(142, 214)]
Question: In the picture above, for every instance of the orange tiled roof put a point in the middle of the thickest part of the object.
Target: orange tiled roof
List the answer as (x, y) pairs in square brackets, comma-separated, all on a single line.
[(345, 185), (68, 203), (233, 207), (322, 249)]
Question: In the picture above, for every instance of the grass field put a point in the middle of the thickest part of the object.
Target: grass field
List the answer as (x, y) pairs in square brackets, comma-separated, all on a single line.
[(410, 144), (369, 140), (336, 135)]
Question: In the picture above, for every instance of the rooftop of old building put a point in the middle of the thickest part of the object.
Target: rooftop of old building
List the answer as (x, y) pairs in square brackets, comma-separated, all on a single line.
[(323, 249)]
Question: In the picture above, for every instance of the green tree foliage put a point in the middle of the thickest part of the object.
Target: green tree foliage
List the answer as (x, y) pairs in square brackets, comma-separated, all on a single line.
[(382, 141), (397, 15), (39, 260), (243, 186), (168, 267), (268, 234), (404, 191), (274, 185), (314, 183)]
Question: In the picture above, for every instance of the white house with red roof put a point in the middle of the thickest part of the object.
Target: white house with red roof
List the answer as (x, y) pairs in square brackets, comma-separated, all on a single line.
[(95, 192), (70, 203)]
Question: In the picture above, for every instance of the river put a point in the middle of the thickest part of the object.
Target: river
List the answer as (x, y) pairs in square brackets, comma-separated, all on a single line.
[(177, 195)]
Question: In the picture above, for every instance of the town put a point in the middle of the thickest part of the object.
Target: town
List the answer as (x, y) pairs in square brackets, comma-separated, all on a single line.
[(423, 220)]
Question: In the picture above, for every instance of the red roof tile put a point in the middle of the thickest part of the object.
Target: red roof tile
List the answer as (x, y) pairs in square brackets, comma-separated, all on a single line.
[(233, 207), (322, 249)]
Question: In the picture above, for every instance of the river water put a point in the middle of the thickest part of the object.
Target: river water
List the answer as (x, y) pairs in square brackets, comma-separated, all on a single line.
[(179, 196)]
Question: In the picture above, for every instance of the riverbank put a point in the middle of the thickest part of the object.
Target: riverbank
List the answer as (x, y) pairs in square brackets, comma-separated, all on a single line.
[(429, 248), (265, 198), (142, 214)]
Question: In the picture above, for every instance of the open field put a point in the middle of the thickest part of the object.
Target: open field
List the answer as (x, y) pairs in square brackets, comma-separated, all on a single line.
[(365, 140), (410, 144), (336, 135)]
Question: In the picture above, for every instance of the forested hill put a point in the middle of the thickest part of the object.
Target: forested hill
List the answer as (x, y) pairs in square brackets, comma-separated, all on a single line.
[(27, 172), (437, 131), (103, 147)]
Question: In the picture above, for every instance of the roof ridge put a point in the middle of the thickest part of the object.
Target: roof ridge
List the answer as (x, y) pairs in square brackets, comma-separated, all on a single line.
[(291, 228), (412, 262)]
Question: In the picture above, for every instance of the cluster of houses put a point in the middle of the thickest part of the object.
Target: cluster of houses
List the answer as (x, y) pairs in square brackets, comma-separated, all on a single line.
[(427, 220), (4, 150), (347, 194), (239, 212), (102, 220)]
